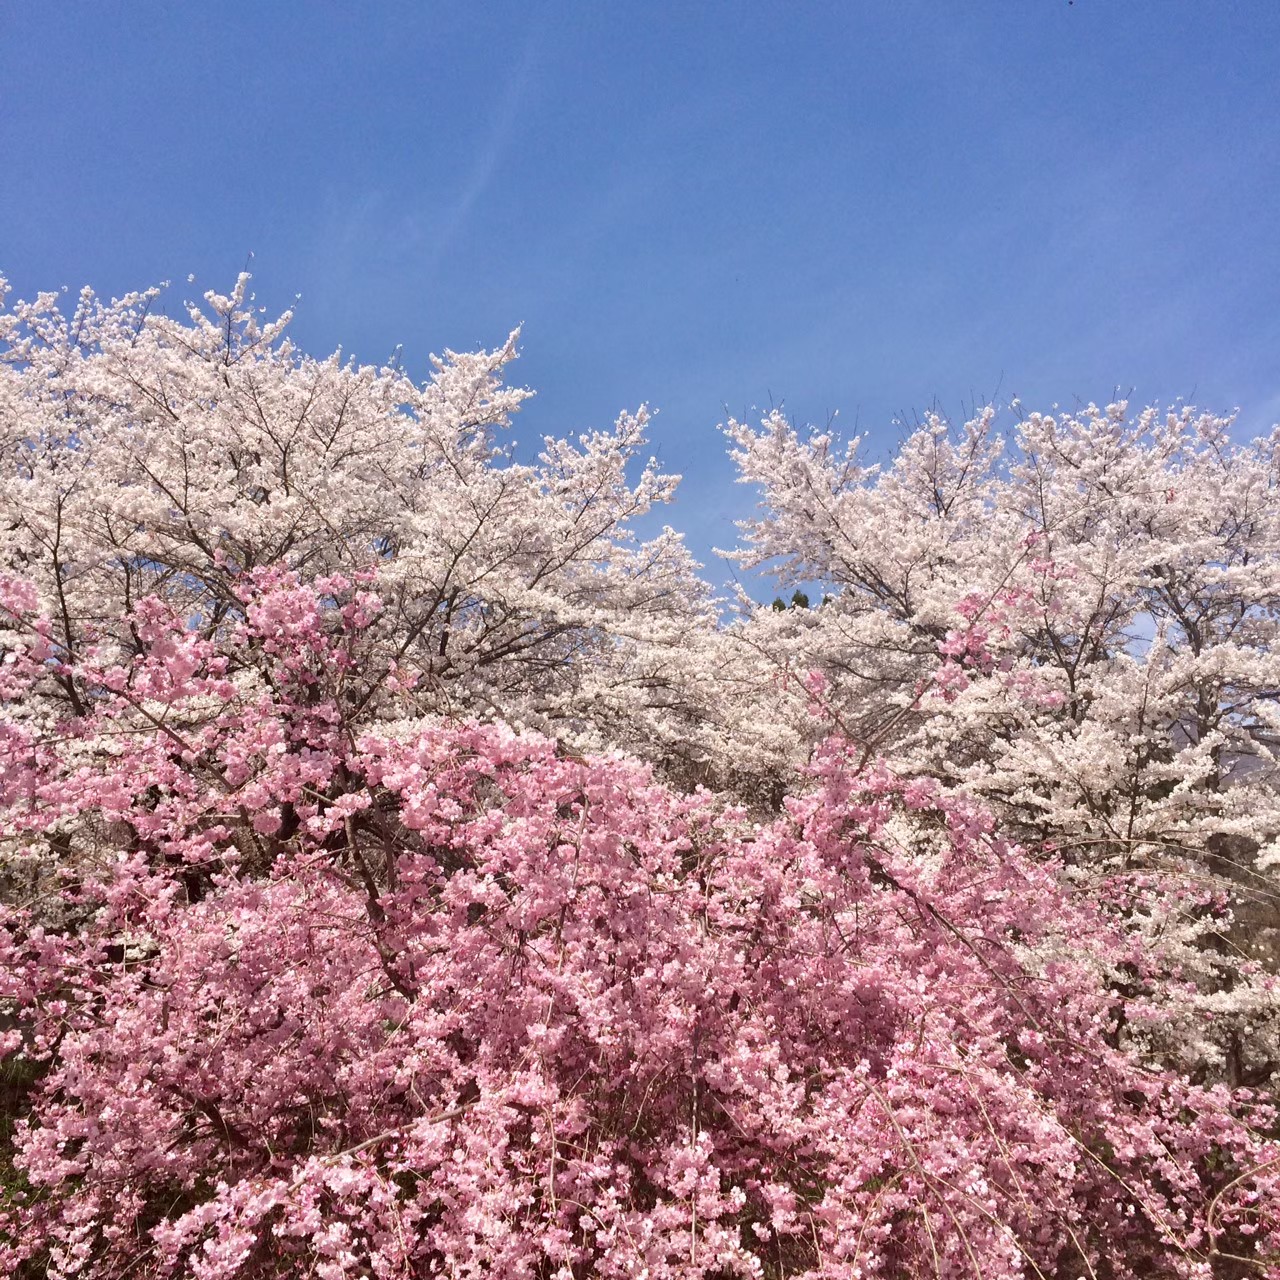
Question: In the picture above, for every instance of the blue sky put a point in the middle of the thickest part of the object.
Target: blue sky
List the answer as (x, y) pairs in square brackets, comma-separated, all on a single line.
[(863, 207)]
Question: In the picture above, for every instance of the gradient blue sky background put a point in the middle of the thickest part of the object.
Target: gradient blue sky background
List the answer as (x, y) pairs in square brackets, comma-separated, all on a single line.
[(869, 207)]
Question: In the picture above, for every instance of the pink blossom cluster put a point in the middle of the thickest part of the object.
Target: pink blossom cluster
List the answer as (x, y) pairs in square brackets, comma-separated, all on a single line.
[(328, 1000)]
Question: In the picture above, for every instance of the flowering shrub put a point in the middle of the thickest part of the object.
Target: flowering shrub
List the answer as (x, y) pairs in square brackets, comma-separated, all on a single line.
[(306, 999)]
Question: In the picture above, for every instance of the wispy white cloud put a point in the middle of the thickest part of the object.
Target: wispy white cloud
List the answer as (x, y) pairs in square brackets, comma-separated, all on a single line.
[(357, 233), (502, 129)]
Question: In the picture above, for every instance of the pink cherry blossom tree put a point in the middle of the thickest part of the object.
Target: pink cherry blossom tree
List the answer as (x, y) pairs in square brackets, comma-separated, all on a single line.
[(324, 1001)]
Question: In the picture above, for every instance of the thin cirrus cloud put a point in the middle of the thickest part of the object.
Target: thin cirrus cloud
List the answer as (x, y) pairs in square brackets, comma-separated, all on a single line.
[(502, 129), (382, 226)]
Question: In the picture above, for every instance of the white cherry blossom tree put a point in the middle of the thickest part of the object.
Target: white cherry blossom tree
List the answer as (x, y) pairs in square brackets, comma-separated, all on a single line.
[(1075, 622), (150, 455)]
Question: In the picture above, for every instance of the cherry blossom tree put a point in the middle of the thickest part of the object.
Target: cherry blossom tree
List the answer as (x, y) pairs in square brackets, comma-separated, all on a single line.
[(150, 455), (1077, 624), (450, 1001)]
